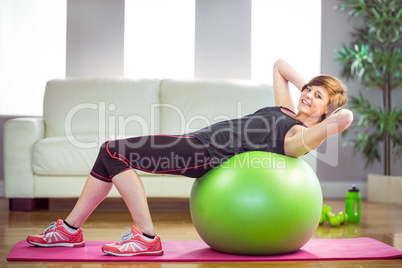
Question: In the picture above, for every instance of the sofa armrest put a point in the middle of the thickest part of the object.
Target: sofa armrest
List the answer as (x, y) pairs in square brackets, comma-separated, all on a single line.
[(20, 134)]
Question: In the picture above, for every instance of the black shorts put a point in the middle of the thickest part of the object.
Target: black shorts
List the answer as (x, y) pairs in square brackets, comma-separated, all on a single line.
[(162, 154)]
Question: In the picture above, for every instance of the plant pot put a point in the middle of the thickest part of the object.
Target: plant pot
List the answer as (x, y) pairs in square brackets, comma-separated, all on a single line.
[(384, 189)]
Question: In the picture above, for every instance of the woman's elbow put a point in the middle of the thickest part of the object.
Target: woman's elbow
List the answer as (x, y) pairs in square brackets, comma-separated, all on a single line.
[(278, 62), (346, 118)]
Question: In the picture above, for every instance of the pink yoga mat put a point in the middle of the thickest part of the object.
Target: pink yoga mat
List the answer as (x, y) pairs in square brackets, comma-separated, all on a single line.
[(198, 251)]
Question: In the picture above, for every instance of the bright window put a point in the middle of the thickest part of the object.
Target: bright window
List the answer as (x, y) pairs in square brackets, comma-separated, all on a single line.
[(288, 29), (159, 38), (32, 51)]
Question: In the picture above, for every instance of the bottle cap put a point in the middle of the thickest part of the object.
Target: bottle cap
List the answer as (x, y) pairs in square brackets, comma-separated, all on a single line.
[(354, 188)]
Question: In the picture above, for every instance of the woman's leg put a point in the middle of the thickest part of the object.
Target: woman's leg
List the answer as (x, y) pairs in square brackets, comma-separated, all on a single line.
[(130, 187), (94, 192), (156, 154), (100, 182), (60, 234), (115, 164), (141, 240)]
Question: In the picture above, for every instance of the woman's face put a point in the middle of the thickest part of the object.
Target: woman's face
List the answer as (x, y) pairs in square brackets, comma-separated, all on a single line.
[(313, 101)]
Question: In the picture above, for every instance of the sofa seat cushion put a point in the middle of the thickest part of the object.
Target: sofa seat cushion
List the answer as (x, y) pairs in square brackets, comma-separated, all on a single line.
[(59, 156), (64, 157)]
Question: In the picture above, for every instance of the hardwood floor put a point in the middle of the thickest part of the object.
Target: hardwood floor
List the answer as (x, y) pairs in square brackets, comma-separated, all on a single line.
[(173, 222)]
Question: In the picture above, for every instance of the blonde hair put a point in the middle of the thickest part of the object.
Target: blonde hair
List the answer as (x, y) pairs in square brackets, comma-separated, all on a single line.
[(336, 91)]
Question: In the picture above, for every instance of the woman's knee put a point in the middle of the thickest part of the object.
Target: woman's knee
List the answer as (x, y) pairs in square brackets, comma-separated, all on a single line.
[(105, 150), (102, 148), (110, 149)]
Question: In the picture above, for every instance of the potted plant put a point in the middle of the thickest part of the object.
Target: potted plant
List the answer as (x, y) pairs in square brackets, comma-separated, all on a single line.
[(374, 57)]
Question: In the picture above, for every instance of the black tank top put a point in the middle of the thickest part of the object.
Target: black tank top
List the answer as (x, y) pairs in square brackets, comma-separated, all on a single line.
[(264, 130)]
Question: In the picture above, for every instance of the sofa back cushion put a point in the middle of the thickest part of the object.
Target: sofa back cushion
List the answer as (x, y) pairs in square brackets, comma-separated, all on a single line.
[(188, 105), (108, 108)]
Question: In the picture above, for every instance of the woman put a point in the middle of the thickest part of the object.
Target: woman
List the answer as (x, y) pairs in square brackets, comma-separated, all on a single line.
[(274, 129)]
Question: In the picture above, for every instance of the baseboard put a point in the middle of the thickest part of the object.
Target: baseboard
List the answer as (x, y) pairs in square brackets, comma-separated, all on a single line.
[(339, 189)]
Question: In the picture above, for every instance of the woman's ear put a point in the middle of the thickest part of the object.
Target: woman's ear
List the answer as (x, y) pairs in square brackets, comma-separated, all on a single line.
[(329, 109)]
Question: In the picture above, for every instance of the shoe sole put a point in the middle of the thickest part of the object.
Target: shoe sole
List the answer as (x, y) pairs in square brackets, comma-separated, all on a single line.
[(69, 245), (147, 253)]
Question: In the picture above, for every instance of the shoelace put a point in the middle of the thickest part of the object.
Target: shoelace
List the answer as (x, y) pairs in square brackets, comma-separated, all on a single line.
[(52, 226), (126, 235)]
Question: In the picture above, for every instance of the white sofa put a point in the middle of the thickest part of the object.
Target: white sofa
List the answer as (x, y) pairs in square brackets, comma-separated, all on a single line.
[(51, 156)]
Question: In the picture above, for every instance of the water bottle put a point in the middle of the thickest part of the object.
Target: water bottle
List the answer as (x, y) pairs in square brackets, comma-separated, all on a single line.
[(353, 202)]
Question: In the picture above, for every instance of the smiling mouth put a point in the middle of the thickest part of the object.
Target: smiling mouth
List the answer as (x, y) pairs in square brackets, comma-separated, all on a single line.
[(306, 103)]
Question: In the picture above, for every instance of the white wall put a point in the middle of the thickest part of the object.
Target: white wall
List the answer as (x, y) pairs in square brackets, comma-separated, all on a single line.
[(95, 38), (223, 39)]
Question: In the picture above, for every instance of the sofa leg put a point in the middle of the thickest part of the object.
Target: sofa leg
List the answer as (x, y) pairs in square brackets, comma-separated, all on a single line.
[(28, 204)]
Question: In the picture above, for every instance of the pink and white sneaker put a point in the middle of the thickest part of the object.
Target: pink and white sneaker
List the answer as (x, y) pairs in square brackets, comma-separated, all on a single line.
[(133, 243), (55, 235)]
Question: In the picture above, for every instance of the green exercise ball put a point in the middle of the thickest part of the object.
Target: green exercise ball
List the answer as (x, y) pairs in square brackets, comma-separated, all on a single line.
[(257, 203)]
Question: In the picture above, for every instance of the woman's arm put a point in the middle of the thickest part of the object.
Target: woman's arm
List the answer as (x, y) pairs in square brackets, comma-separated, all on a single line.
[(308, 139), (283, 74)]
